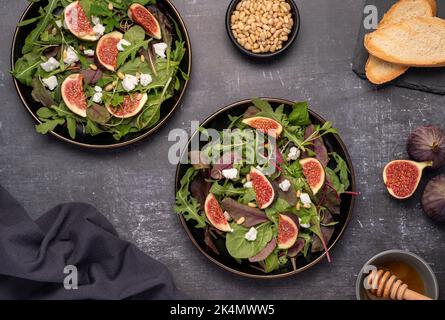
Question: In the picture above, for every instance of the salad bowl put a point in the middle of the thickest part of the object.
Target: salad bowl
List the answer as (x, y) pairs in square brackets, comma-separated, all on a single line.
[(222, 257), (104, 140)]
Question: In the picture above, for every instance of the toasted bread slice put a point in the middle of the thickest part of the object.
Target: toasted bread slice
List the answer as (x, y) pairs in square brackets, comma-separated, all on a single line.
[(433, 4), (379, 71), (417, 42), (407, 9)]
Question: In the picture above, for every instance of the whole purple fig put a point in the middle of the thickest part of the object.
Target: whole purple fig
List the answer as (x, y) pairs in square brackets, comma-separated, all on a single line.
[(427, 144), (433, 199)]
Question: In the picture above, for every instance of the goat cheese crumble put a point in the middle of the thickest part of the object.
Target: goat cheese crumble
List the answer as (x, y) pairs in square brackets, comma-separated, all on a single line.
[(294, 154), (130, 82), (305, 198), (284, 185), (304, 225), (50, 65), (248, 184), (71, 56), (230, 173), (51, 82), (88, 52), (146, 79), (160, 49), (251, 234)]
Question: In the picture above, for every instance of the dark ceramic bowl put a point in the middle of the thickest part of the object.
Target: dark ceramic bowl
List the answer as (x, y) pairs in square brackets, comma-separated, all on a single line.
[(292, 36), (219, 121), (102, 141), (422, 268)]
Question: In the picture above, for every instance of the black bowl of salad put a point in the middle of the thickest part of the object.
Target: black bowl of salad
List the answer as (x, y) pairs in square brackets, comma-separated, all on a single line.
[(265, 188), (101, 74)]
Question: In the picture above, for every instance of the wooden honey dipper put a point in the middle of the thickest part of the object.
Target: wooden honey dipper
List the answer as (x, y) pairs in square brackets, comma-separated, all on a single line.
[(385, 285)]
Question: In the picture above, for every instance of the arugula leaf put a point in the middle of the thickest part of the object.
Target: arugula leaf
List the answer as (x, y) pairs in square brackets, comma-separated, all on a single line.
[(241, 248), (300, 114), (186, 204), (40, 27), (131, 51), (26, 67), (49, 125), (342, 170), (72, 127)]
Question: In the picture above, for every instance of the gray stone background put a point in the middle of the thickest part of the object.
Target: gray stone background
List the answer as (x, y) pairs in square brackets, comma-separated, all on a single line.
[(134, 186)]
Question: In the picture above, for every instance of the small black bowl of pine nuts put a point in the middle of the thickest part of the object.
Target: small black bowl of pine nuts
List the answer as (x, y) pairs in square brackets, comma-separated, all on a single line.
[(262, 28)]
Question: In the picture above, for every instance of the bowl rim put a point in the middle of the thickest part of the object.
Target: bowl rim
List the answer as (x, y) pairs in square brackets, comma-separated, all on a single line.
[(358, 283), (116, 145), (348, 160), (288, 44)]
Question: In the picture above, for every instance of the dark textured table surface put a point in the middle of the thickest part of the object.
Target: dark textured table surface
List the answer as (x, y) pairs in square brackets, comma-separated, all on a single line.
[(134, 187)]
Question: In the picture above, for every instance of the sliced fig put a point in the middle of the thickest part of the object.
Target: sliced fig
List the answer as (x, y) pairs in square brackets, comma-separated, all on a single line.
[(287, 232), (73, 94), (107, 51), (402, 177), (265, 125), (252, 216), (132, 106), (314, 173), (76, 21), (265, 193), (215, 215), (143, 17)]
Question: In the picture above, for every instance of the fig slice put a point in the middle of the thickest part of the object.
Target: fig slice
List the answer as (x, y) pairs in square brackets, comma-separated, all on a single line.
[(107, 51), (402, 177), (215, 215), (76, 21), (265, 125), (265, 193), (287, 232), (314, 173), (143, 17), (73, 94), (132, 106)]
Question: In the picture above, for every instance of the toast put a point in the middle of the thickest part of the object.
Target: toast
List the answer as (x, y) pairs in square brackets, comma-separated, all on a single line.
[(417, 42), (379, 71)]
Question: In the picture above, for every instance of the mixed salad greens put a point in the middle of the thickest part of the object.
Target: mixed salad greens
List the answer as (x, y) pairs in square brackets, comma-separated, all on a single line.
[(271, 208), (101, 66)]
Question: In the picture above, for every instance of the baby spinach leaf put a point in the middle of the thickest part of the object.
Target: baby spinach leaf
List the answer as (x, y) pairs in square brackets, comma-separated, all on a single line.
[(300, 114), (241, 248), (72, 127), (135, 34), (272, 262)]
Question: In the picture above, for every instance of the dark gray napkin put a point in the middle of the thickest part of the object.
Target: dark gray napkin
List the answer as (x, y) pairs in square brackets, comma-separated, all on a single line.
[(33, 256), (424, 79)]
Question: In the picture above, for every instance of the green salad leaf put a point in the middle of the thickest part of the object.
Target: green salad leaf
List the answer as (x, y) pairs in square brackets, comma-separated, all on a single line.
[(186, 204), (240, 248)]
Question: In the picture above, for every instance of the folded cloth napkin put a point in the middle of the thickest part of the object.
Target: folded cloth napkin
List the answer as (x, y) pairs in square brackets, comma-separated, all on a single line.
[(423, 79), (69, 238)]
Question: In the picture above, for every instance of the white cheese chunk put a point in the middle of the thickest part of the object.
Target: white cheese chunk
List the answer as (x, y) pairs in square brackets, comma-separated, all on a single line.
[(122, 43), (305, 198), (284, 185), (51, 83), (251, 234), (59, 23), (88, 52), (230, 173), (130, 82), (98, 97), (160, 49), (248, 184), (304, 225), (50, 65), (98, 89), (99, 29), (71, 56), (294, 154), (146, 79), (95, 20)]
